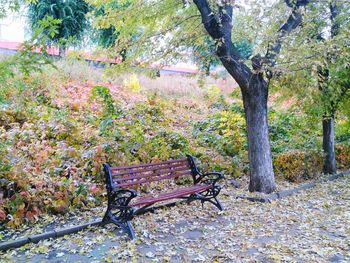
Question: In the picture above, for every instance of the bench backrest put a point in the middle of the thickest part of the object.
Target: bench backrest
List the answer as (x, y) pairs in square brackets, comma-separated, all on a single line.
[(128, 176)]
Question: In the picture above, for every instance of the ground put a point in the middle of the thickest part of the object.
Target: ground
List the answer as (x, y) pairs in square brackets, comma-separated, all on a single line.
[(312, 226)]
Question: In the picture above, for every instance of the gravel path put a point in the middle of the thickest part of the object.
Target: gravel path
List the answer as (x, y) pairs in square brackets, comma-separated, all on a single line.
[(312, 226)]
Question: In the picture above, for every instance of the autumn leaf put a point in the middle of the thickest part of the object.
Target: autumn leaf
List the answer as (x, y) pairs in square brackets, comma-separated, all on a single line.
[(2, 215)]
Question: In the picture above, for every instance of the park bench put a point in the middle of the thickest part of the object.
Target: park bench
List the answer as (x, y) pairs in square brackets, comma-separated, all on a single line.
[(124, 202)]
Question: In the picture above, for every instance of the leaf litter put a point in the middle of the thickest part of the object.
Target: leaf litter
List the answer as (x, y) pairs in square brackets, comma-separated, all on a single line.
[(311, 226)]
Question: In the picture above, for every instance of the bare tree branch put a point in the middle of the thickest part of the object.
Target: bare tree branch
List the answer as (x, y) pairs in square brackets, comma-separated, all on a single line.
[(293, 21), (219, 28)]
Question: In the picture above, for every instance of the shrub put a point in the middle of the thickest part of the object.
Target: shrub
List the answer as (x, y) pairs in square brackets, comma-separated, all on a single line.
[(290, 165), (342, 131), (342, 152), (314, 161), (297, 166), (132, 83), (213, 92), (110, 109), (9, 116), (220, 104), (291, 131), (224, 131), (173, 141), (109, 106)]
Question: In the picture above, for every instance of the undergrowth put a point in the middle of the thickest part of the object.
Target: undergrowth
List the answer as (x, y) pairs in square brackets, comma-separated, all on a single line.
[(58, 126)]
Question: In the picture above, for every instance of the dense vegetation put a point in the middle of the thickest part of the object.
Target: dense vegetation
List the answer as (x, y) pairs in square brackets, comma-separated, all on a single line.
[(59, 122), (59, 126)]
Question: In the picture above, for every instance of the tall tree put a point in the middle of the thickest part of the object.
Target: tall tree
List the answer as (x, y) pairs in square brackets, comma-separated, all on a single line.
[(177, 23), (71, 13), (332, 93), (105, 34), (320, 55)]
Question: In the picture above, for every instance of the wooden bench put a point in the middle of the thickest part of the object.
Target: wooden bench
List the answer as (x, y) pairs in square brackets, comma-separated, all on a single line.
[(124, 202)]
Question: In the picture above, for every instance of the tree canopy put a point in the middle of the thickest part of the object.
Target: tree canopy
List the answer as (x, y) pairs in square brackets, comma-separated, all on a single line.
[(71, 14)]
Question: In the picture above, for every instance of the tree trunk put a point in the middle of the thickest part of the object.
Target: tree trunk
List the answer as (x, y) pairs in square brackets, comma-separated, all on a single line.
[(207, 67), (259, 152), (328, 146), (61, 50)]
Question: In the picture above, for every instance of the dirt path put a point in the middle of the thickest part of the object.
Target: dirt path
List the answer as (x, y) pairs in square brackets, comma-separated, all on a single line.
[(312, 226)]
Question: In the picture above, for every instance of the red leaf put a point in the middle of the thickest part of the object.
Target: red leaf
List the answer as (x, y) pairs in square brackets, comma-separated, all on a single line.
[(2, 214)]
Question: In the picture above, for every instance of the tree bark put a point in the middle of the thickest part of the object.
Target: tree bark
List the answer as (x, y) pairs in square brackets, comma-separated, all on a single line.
[(61, 50), (259, 152), (207, 67), (328, 146)]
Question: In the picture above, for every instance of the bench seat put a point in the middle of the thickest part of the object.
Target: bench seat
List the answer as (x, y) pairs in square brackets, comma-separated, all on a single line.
[(181, 192)]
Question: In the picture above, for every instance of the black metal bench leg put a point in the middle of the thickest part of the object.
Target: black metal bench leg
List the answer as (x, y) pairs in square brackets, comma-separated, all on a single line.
[(106, 218), (216, 203), (130, 230), (125, 225)]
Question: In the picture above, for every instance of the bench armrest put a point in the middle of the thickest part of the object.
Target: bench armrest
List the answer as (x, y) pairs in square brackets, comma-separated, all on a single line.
[(206, 178)]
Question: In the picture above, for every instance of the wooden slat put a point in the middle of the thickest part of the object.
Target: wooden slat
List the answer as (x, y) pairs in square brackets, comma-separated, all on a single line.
[(147, 165), (157, 168), (154, 179), (171, 195), (160, 172)]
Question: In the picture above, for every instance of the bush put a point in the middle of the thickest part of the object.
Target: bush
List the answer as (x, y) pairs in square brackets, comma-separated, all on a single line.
[(133, 83), (297, 166), (342, 131), (343, 156), (213, 92), (292, 131), (290, 165), (224, 131), (9, 117)]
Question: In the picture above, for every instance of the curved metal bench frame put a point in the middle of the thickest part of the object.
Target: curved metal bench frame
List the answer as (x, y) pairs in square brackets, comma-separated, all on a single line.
[(122, 206)]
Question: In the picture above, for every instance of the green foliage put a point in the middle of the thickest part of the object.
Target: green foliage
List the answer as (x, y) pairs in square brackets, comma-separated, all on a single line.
[(292, 130), (107, 37), (224, 131), (316, 71), (173, 141), (105, 34), (9, 6), (342, 131), (213, 92), (110, 109), (25, 62), (220, 104), (244, 48), (204, 55), (70, 13)]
